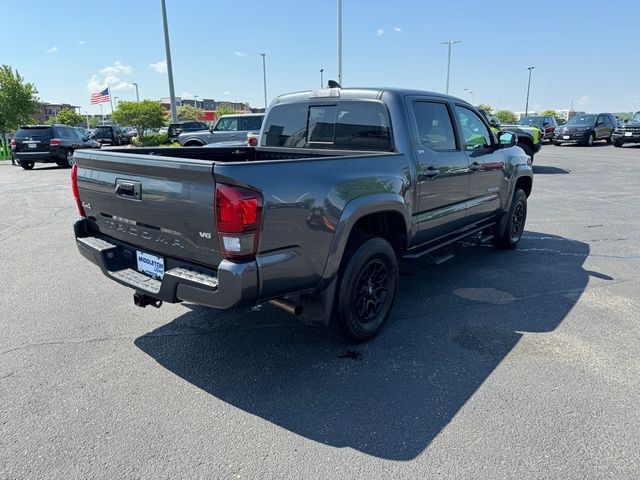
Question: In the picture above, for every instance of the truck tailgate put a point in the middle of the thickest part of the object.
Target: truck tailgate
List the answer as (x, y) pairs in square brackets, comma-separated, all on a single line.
[(164, 206)]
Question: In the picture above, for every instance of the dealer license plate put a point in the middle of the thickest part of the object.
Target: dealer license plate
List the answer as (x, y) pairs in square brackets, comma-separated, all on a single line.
[(628, 134), (150, 264), (566, 137)]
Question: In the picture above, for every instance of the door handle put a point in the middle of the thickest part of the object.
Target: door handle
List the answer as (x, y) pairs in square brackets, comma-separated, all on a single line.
[(474, 167), (128, 189), (430, 172)]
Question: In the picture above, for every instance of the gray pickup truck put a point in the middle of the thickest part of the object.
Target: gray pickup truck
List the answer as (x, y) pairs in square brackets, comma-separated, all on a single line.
[(228, 128), (343, 184)]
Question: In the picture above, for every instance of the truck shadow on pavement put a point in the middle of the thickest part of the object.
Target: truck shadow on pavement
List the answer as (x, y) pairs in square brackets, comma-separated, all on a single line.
[(451, 327)]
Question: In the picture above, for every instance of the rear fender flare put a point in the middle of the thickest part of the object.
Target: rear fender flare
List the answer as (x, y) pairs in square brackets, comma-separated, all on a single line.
[(354, 211)]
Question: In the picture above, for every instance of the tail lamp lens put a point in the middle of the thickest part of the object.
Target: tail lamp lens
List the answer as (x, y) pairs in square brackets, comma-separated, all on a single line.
[(74, 187), (238, 217), (55, 142)]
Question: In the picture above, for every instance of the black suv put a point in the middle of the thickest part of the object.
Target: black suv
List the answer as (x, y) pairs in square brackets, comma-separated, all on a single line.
[(48, 144), (586, 128), (111, 134), (627, 132), (546, 124), (175, 129)]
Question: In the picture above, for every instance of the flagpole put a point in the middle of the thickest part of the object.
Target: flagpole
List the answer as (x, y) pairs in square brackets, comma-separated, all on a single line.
[(101, 115), (110, 98)]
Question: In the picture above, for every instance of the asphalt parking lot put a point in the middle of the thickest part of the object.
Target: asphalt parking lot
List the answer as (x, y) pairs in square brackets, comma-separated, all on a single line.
[(519, 364)]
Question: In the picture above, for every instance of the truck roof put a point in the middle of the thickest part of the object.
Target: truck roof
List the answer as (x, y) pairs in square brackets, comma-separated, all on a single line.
[(359, 94)]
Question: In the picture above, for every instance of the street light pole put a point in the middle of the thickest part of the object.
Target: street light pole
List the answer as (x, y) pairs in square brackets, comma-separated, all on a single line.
[(137, 96), (264, 78), (195, 101), (451, 43), (321, 77), (526, 108), (172, 93), (340, 42)]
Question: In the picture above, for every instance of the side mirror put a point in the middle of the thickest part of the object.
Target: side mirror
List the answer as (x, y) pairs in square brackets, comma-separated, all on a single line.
[(507, 139), (494, 122)]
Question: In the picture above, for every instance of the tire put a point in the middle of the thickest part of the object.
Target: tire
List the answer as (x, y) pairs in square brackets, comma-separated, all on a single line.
[(617, 143), (557, 144), (508, 234), (368, 282), (609, 140), (69, 160), (589, 141), (27, 165), (194, 144)]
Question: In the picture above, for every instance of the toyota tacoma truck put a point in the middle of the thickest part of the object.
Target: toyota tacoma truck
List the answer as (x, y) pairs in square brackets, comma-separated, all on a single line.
[(314, 220)]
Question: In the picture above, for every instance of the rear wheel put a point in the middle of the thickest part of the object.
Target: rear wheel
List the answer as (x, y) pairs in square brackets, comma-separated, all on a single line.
[(609, 140), (27, 165), (617, 143), (589, 141), (509, 231), (69, 163), (367, 287)]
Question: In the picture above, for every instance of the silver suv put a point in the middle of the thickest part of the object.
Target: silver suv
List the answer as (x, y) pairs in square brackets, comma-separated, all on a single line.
[(227, 128)]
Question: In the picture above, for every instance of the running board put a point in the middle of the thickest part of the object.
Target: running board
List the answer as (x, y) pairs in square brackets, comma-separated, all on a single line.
[(431, 249)]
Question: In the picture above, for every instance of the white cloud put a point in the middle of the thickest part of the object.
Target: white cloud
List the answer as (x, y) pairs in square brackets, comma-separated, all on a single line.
[(397, 29), (81, 42), (159, 67), (239, 54), (117, 67), (379, 32), (583, 101), (110, 76), (53, 50)]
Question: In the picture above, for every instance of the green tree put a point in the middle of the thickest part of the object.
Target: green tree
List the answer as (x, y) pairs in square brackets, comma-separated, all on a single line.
[(94, 122), (506, 116), (187, 112), (224, 109), (549, 113), (486, 108), (68, 117), (18, 100), (140, 115)]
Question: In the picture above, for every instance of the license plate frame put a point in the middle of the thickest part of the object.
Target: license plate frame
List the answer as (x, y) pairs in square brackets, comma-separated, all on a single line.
[(150, 265), (628, 134), (566, 137)]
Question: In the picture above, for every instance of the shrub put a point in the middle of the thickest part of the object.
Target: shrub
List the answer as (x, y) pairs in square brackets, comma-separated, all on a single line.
[(151, 140)]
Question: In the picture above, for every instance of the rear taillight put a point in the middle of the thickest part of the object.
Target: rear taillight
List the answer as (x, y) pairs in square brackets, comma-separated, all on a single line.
[(238, 218), (74, 187), (13, 144), (54, 142), (252, 141)]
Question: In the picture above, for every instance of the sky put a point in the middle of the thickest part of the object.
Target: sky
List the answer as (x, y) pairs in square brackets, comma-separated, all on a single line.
[(584, 52)]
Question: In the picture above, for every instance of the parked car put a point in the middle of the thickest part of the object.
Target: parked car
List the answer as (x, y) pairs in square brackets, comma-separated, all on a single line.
[(628, 132), (48, 144), (546, 124), (344, 183), (163, 130), (586, 128), (175, 129), (252, 139), (111, 134), (529, 138), (228, 128)]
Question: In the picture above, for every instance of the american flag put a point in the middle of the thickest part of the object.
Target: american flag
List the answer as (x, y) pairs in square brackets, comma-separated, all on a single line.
[(100, 97)]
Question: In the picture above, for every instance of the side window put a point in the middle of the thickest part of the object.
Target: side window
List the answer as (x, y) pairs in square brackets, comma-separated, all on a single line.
[(435, 129), (229, 124), (251, 123), (64, 132), (476, 134)]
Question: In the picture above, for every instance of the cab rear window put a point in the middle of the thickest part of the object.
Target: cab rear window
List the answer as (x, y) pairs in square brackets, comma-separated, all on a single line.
[(340, 126)]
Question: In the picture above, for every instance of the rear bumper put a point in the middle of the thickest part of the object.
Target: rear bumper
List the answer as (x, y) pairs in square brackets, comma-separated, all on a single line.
[(232, 284), (53, 155)]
